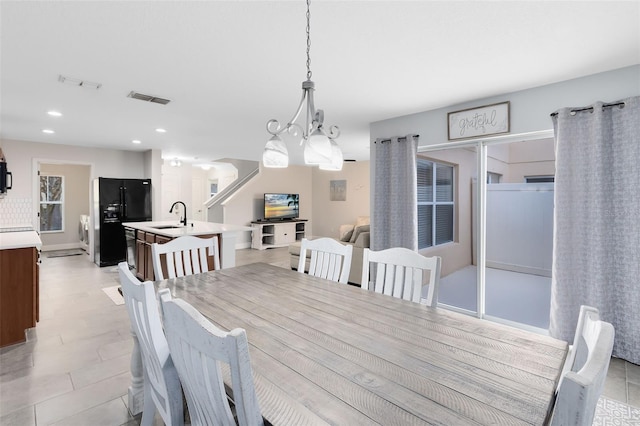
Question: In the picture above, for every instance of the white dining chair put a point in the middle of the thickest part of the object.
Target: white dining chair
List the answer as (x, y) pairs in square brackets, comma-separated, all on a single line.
[(329, 259), (585, 370), (401, 273), (197, 347), (186, 255), (162, 391)]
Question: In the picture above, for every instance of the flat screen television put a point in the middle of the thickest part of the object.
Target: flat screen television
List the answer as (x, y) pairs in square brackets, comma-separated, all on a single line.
[(281, 206)]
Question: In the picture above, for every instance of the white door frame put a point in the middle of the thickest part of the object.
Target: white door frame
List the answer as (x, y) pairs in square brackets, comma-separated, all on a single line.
[(36, 162)]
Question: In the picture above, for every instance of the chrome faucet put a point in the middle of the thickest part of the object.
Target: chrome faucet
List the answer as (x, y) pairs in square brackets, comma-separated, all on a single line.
[(184, 219)]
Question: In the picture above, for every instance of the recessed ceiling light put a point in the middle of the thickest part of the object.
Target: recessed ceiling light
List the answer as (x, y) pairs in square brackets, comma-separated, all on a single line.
[(48, 131), (54, 113), (136, 141), (161, 130)]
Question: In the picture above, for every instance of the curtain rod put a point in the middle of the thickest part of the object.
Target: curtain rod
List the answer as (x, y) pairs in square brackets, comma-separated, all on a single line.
[(400, 138), (553, 114)]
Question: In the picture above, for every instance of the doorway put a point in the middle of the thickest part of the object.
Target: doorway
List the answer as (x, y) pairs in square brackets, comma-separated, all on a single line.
[(72, 229), (507, 277)]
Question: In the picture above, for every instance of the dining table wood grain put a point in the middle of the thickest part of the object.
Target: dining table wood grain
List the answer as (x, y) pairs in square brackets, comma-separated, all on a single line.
[(330, 353)]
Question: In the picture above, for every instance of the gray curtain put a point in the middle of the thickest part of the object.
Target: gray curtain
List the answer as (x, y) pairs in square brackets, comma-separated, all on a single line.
[(596, 256), (394, 219)]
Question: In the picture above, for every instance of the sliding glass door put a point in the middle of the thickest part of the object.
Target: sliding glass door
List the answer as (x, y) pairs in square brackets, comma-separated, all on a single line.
[(445, 219), (519, 232), (498, 263)]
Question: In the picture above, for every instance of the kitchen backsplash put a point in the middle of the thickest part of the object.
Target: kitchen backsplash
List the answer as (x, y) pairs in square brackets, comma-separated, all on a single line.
[(16, 212)]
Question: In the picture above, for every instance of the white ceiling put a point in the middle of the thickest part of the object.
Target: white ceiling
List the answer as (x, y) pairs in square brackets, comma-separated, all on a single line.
[(230, 66)]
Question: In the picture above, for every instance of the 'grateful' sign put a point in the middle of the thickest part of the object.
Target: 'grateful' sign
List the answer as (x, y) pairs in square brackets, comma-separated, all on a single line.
[(481, 121)]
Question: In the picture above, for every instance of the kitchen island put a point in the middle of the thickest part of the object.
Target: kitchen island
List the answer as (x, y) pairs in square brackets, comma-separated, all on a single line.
[(19, 284), (161, 232)]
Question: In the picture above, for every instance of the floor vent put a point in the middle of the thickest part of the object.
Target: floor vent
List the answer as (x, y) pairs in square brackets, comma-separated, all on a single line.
[(148, 98)]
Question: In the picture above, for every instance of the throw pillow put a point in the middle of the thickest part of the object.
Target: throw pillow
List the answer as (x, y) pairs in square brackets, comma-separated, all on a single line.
[(362, 220), (358, 231), (347, 236)]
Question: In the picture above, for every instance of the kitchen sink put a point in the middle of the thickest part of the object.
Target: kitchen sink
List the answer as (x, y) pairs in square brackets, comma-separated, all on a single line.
[(166, 227)]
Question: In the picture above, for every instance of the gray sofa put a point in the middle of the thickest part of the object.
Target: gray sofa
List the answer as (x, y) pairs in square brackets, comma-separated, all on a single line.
[(359, 243)]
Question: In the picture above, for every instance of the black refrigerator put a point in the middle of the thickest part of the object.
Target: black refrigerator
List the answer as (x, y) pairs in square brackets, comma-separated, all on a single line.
[(116, 201)]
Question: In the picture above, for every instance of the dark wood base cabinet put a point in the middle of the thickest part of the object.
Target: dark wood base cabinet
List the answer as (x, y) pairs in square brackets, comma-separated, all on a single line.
[(19, 293), (144, 258)]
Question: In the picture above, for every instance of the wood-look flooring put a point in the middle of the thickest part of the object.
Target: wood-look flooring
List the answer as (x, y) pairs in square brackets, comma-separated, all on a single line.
[(74, 368)]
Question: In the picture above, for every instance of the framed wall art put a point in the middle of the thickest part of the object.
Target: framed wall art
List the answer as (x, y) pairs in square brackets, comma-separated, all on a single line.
[(480, 121), (338, 190)]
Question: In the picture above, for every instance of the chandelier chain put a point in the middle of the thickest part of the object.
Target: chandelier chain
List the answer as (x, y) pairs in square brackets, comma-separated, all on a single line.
[(308, 42)]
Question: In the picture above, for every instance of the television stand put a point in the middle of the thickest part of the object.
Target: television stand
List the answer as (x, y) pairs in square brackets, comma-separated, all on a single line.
[(270, 221), (281, 233)]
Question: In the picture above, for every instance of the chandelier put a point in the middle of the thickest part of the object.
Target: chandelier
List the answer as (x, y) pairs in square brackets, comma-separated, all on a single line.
[(320, 148)]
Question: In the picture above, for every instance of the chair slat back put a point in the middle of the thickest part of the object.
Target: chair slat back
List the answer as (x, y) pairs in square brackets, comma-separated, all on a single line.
[(186, 255), (198, 347), (586, 370), (162, 385), (401, 272), (329, 259)]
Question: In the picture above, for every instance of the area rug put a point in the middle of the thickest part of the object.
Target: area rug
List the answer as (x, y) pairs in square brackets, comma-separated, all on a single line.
[(114, 294), (610, 413), (64, 253)]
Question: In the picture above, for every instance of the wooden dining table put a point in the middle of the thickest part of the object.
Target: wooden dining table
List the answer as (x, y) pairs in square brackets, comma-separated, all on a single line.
[(330, 353)]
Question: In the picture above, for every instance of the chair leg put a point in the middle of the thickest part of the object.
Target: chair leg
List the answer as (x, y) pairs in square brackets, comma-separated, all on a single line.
[(177, 405), (149, 407)]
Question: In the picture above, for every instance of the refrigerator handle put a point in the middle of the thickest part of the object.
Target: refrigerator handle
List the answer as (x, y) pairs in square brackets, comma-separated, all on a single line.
[(123, 204)]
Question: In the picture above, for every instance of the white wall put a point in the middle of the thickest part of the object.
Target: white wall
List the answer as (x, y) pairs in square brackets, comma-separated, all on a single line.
[(176, 184), (181, 183), (153, 171), (105, 162), (329, 215), (530, 158), (517, 160), (530, 109)]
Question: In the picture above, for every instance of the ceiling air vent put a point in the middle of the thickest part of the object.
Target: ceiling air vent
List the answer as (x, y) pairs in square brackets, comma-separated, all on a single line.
[(148, 98)]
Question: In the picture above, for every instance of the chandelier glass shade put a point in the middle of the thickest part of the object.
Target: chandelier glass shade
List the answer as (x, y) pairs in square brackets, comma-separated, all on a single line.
[(336, 158), (275, 153), (319, 145)]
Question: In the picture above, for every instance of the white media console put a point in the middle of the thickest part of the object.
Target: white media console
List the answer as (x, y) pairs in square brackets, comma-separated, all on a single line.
[(265, 234)]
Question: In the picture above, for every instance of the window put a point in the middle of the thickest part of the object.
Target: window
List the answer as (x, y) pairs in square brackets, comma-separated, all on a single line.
[(493, 177), (539, 179), (51, 203), (435, 203)]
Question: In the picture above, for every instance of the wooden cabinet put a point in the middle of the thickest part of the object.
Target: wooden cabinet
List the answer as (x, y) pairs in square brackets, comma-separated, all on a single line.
[(149, 239), (140, 257), (19, 293), (144, 257), (266, 235)]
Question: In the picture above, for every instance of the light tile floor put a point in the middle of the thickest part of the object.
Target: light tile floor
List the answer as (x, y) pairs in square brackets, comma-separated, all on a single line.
[(74, 368)]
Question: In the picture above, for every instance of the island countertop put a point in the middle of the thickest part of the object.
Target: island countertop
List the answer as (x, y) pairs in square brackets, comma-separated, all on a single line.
[(22, 239), (170, 229), (173, 229)]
